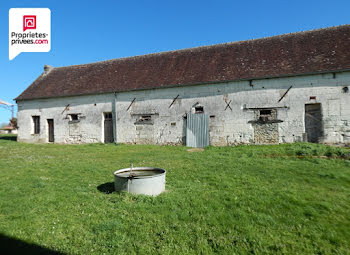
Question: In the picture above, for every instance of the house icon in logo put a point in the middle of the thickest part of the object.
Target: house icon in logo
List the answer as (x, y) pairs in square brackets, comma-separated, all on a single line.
[(29, 22)]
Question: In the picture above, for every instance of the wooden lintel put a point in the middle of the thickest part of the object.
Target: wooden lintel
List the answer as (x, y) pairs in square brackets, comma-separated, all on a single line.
[(266, 108)]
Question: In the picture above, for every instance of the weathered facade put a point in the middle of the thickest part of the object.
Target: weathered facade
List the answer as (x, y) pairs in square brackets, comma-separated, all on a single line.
[(281, 89)]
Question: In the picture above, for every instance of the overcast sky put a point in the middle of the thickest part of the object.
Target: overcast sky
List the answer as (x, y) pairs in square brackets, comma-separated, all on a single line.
[(90, 31)]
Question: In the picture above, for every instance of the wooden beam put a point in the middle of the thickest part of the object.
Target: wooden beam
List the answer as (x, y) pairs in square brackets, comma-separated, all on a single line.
[(228, 105), (285, 93), (173, 101), (65, 109), (131, 104)]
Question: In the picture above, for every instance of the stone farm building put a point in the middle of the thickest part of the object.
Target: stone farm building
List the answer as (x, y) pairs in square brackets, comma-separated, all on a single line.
[(281, 89)]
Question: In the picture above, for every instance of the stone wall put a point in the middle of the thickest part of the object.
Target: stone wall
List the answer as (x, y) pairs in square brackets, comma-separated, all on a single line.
[(88, 128), (158, 116)]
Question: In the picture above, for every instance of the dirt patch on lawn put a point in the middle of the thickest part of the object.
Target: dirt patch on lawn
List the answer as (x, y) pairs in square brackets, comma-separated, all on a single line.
[(195, 150)]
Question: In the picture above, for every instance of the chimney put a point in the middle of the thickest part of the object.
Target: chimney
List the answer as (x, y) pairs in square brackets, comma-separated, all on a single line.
[(47, 69)]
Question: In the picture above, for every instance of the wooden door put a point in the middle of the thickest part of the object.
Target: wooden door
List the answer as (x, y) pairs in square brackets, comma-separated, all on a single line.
[(313, 122), (51, 130), (108, 127)]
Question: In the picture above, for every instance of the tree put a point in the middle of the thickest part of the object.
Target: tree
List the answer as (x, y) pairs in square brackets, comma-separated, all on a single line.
[(13, 122)]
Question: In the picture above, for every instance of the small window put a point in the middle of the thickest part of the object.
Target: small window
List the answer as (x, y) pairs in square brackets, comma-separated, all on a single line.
[(74, 117), (265, 112), (199, 109), (36, 122), (265, 115), (144, 119)]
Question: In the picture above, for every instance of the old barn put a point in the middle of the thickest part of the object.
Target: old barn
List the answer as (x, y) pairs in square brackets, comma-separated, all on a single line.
[(281, 89)]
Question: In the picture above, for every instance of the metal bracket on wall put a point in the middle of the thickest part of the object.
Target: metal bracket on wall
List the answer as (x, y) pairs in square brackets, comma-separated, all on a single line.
[(228, 105), (131, 104), (285, 93), (174, 100)]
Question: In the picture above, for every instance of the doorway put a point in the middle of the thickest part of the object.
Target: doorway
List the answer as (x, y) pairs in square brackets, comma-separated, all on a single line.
[(50, 124), (313, 122), (197, 130), (108, 127)]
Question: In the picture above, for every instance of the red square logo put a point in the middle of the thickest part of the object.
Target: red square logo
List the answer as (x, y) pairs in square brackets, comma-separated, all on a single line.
[(29, 22)]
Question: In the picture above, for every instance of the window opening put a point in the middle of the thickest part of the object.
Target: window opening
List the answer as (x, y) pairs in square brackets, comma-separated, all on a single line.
[(36, 121), (144, 119), (265, 115), (199, 109), (74, 117)]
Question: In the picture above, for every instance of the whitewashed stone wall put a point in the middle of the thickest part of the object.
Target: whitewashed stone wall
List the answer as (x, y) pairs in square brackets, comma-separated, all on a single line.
[(227, 127), (87, 130)]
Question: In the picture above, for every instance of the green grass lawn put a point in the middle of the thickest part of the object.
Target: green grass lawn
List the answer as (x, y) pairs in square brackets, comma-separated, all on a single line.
[(284, 199)]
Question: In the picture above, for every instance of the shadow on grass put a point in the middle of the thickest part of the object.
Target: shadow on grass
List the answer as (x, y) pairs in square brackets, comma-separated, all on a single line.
[(11, 245), (106, 188), (8, 137)]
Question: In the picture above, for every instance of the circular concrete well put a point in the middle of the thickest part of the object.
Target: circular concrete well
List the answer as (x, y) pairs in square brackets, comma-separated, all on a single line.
[(140, 180)]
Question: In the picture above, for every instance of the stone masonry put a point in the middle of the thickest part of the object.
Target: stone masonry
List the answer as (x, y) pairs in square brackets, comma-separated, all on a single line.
[(145, 116)]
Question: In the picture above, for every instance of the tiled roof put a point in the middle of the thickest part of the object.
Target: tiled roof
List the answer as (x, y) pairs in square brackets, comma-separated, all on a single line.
[(300, 53)]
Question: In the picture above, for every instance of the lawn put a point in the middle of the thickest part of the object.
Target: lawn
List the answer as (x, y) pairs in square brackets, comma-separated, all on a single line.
[(284, 199)]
